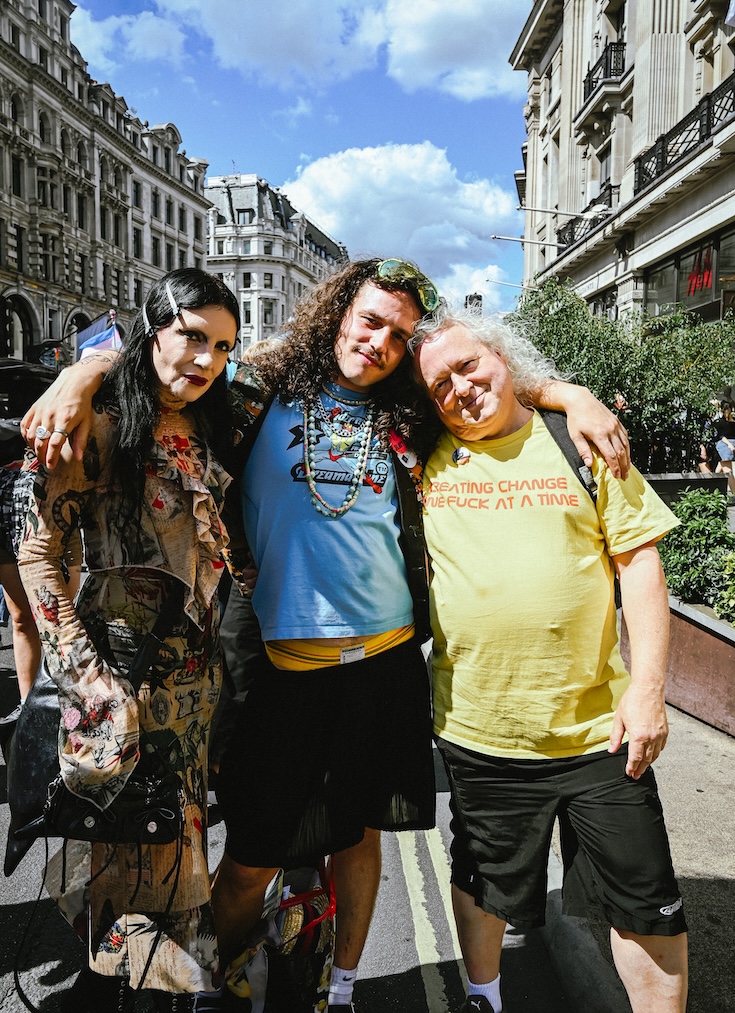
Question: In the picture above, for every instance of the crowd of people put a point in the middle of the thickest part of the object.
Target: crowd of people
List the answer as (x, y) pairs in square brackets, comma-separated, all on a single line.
[(319, 473)]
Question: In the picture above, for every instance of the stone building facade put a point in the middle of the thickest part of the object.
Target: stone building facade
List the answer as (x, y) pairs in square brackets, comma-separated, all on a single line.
[(629, 165), (95, 204), (265, 250)]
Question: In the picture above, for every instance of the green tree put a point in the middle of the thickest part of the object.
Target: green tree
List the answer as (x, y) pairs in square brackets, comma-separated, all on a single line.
[(667, 369)]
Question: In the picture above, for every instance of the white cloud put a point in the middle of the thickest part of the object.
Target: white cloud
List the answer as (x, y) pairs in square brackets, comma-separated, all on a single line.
[(407, 200), (113, 41), (459, 48)]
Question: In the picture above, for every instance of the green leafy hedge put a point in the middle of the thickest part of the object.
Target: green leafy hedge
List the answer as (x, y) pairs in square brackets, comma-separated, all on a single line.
[(699, 556)]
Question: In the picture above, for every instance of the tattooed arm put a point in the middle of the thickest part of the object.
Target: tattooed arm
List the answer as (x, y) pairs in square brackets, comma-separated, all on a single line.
[(99, 710)]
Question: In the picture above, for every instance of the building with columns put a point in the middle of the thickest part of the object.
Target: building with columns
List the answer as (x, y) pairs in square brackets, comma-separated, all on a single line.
[(265, 250), (629, 166), (95, 204)]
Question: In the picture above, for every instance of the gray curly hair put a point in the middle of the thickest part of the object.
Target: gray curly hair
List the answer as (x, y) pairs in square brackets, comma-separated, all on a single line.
[(529, 369)]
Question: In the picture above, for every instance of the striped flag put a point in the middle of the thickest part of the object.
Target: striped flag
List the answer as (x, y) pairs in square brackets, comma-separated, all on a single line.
[(101, 333)]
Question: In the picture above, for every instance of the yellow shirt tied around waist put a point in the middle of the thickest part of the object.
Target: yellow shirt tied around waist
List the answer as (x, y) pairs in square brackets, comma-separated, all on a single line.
[(526, 661)]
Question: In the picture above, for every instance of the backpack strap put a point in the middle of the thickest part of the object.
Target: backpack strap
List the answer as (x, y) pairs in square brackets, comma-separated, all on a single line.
[(556, 423)]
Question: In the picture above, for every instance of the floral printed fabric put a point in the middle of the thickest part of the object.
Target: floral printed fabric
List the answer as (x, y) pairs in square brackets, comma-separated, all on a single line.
[(88, 649)]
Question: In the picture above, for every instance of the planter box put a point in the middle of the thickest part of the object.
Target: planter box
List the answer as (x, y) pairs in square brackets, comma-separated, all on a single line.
[(701, 670), (671, 485)]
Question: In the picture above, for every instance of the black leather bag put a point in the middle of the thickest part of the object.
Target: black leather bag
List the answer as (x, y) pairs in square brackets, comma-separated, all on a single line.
[(150, 808)]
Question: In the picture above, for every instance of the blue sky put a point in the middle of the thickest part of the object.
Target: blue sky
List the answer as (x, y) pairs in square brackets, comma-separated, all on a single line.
[(395, 124)]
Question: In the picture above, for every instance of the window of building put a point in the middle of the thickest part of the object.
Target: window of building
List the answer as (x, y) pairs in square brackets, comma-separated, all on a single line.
[(268, 249), (661, 289), (182, 258), (83, 268), (64, 77), (117, 230), (137, 292), (245, 216), (167, 159), (81, 211), (155, 204), (42, 10), (44, 128), (197, 227), (49, 257), (156, 251), (169, 256), (43, 57), (137, 243), (15, 37), (137, 194), (154, 154), (220, 247), (106, 280), (246, 247), (20, 248), (182, 219), (247, 279), (198, 263), (696, 277), (66, 200), (64, 27), (246, 312), (268, 313), (169, 211), (605, 160), (267, 280), (103, 223), (17, 171)]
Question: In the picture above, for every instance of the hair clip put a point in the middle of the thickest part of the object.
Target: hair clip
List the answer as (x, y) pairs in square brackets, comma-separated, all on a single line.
[(147, 329), (175, 308)]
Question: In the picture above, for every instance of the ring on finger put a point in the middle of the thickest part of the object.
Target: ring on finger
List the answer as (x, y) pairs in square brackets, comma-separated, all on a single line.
[(42, 433), (63, 432)]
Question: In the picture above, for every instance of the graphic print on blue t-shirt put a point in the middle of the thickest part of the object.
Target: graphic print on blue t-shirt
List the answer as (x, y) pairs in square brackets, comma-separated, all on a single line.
[(336, 455)]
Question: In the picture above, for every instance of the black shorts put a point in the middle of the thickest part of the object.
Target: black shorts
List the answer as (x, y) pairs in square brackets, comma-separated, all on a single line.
[(318, 756), (615, 850)]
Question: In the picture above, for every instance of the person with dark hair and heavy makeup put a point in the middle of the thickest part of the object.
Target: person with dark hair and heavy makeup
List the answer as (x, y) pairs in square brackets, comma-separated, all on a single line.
[(146, 496), (333, 744)]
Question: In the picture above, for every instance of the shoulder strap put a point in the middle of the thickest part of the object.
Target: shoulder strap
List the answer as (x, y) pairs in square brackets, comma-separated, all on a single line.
[(152, 641), (556, 423)]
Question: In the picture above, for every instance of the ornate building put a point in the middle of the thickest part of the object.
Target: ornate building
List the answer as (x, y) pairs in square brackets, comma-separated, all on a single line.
[(629, 166), (95, 204), (265, 250)]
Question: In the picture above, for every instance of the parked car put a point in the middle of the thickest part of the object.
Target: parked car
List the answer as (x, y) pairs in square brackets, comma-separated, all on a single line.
[(21, 383)]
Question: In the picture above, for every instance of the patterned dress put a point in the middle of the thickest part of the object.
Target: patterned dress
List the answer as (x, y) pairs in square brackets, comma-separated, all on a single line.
[(126, 890)]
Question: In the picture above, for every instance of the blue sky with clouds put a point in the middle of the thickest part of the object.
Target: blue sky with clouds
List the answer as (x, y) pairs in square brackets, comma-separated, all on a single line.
[(395, 124)]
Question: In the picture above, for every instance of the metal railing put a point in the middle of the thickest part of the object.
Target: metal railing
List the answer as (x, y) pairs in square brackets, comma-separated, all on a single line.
[(610, 66), (696, 127), (576, 228)]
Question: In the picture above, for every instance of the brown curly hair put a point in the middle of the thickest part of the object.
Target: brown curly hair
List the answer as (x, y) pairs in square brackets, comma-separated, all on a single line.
[(305, 359)]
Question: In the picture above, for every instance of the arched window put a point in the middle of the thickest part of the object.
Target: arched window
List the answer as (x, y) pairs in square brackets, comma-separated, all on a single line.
[(44, 128), (104, 169), (65, 143), (82, 154), (17, 112)]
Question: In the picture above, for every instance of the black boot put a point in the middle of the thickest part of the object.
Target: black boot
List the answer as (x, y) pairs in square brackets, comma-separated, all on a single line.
[(96, 993)]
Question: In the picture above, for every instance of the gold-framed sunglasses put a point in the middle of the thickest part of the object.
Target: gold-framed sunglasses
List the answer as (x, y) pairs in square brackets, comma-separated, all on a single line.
[(396, 270)]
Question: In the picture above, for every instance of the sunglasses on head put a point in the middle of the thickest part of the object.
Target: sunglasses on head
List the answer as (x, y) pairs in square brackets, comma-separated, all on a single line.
[(395, 270)]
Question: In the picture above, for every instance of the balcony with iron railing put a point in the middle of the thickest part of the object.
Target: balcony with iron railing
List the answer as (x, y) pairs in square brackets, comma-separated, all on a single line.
[(697, 127), (609, 67), (593, 215)]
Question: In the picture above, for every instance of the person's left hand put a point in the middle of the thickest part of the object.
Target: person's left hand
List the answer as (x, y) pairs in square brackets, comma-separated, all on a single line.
[(589, 421), (642, 714)]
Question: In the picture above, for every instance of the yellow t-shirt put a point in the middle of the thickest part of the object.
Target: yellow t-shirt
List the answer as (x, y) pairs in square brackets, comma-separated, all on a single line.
[(526, 662)]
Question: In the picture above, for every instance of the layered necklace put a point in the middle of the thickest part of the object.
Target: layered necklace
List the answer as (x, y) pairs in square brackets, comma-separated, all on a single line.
[(344, 432)]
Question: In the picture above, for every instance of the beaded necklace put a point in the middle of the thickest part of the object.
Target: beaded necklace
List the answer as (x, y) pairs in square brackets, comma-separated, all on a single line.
[(360, 434)]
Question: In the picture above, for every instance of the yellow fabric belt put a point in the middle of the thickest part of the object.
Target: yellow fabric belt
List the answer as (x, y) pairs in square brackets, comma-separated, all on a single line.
[(306, 655)]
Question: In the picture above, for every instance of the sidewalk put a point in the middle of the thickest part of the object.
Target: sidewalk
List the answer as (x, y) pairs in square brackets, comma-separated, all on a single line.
[(695, 775)]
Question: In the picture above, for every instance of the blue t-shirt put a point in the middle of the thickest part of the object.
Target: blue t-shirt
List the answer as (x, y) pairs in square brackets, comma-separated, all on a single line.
[(322, 577)]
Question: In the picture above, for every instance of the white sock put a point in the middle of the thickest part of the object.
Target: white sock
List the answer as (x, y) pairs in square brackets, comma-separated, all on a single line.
[(491, 991), (341, 985)]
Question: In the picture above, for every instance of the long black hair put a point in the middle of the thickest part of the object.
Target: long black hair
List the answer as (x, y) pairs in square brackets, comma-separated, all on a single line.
[(131, 388)]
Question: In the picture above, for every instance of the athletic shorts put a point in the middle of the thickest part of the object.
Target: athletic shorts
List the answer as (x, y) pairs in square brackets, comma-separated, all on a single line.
[(319, 756), (615, 850)]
